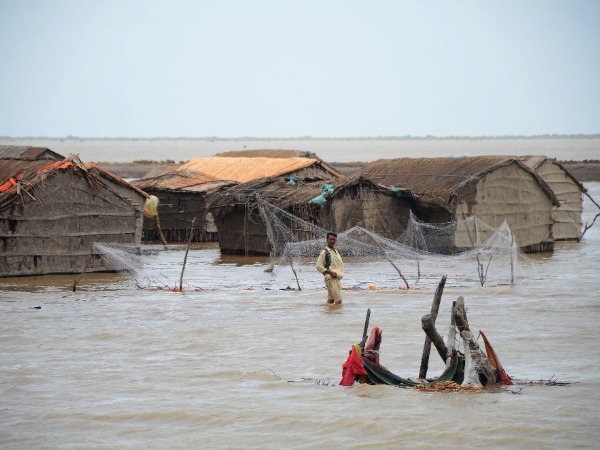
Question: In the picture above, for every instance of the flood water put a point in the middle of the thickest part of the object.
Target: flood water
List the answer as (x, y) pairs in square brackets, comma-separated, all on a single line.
[(238, 360), (331, 150)]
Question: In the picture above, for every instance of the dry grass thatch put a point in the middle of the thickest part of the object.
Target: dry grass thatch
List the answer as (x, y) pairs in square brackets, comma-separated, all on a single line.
[(277, 191), (248, 169), (18, 177), (535, 161), (439, 179), (183, 181), (25, 153)]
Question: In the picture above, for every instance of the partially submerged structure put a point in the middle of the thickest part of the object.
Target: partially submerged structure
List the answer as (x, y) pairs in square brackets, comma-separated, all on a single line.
[(182, 198), (492, 188), (569, 192), (241, 226), (53, 209), (185, 192), (337, 204)]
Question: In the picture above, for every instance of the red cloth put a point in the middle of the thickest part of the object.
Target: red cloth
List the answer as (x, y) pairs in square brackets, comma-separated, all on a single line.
[(491, 353), (372, 345), (352, 367)]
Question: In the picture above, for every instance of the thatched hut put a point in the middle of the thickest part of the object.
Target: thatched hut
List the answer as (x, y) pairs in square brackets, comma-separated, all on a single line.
[(183, 192), (338, 204), (491, 188), (53, 209), (241, 227), (568, 190), (182, 198)]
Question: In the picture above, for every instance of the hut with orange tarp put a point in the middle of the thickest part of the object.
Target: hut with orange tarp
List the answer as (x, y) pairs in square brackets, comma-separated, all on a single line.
[(186, 192), (53, 209)]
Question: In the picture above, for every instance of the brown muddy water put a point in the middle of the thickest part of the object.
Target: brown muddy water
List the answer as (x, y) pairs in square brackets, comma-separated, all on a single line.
[(240, 361), (331, 150)]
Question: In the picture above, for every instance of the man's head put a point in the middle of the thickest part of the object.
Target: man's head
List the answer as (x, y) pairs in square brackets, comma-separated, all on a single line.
[(331, 239)]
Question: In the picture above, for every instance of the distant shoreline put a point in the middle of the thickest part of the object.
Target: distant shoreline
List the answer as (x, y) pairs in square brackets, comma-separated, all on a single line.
[(338, 150), (308, 138)]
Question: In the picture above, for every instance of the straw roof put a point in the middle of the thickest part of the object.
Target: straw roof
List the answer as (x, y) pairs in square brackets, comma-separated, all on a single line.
[(247, 169), (26, 153), (438, 180), (266, 153), (286, 192), (17, 176), (184, 180), (278, 191), (535, 161)]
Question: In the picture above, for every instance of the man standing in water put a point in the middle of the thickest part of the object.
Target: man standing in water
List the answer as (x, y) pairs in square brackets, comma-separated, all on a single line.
[(330, 264)]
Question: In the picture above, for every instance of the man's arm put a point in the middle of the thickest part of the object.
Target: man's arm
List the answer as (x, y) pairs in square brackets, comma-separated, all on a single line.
[(321, 263)]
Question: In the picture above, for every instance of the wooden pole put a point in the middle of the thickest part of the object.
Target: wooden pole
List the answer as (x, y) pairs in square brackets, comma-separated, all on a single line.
[(366, 328), (87, 263), (460, 315), (186, 254), (429, 329), (389, 260), (435, 307), (160, 232), (451, 341), (295, 274)]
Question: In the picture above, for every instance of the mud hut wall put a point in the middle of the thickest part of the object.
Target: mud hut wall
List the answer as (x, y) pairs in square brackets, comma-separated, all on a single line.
[(56, 233), (567, 216), (509, 193), (366, 207), (176, 211), (136, 200), (241, 232)]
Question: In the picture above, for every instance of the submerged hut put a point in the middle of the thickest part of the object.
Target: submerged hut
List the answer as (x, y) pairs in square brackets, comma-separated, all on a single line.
[(338, 204), (53, 209), (491, 188), (185, 191), (241, 226), (182, 198), (568, 190)]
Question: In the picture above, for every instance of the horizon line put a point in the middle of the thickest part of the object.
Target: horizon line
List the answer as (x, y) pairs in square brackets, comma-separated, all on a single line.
[(316, 138)]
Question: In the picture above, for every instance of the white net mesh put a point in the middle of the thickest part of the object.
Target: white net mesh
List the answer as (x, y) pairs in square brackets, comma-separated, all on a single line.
[(468, 247), (120, 257)]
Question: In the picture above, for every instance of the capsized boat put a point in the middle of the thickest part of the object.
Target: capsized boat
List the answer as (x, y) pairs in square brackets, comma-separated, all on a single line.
[(363, 366)]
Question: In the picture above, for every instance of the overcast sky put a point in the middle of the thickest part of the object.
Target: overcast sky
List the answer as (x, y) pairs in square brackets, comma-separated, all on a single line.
[(259, 68)]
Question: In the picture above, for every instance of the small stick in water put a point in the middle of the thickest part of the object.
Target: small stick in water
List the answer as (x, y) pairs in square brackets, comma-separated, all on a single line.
[(186, 254)]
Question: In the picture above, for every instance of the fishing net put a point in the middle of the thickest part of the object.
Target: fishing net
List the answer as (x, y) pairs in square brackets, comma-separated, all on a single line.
[(469, 248), (120, 257)]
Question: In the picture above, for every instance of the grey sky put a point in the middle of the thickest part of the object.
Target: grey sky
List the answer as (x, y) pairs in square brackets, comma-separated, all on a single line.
[(299, 68)]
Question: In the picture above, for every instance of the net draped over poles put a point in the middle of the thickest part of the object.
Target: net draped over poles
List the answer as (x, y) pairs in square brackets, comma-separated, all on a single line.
[(467, 247)]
